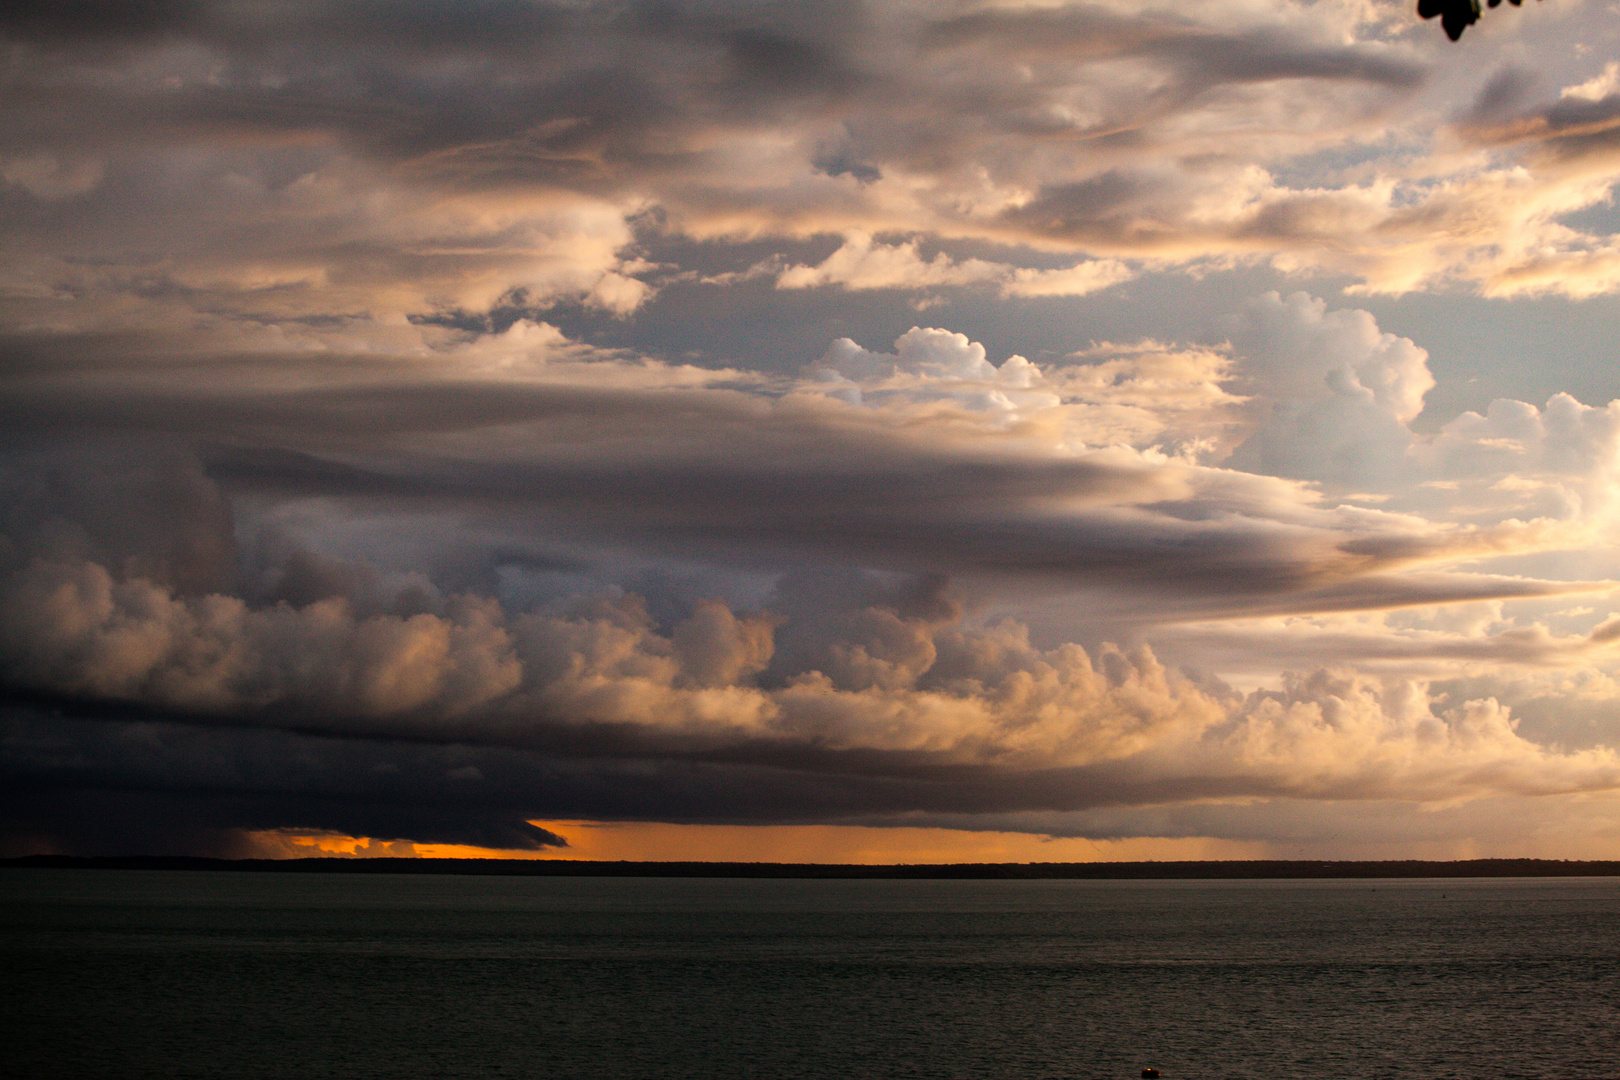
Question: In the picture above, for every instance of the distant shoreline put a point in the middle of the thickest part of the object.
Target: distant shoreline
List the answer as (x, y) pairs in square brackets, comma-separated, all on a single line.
[(1303, 869)]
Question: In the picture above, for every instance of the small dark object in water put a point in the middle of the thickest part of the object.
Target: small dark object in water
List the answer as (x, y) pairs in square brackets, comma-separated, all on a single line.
[(1150, 1074)]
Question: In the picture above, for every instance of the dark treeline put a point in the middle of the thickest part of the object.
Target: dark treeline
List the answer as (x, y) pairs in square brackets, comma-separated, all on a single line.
[(1236, 869)]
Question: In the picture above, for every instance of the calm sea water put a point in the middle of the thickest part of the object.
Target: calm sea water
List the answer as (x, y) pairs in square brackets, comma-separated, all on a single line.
[(155, 974)]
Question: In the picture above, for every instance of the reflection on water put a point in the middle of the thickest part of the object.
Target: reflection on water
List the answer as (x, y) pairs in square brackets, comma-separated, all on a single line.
[(174, 974)]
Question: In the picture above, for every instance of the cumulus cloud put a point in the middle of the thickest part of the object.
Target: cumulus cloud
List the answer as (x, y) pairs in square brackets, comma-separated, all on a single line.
[(935, 461), (1559, 461), (423, 420), (885, 694), (1334, 396), (861, 263)]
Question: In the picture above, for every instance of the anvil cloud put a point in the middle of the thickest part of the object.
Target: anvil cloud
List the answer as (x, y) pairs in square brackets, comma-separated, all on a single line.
[(433, 422)]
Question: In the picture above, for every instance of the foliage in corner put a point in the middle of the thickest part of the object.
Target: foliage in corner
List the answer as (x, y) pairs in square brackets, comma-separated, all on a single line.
[(1455, 15)]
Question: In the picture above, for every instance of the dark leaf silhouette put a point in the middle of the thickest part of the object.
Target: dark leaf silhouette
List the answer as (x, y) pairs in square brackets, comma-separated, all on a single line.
[(1456, 15)]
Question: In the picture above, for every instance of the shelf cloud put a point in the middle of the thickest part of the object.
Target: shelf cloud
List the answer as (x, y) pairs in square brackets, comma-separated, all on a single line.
[(433, 423)]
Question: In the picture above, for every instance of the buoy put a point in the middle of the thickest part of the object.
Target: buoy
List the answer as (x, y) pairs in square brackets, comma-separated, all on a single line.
[(1150, 1074)]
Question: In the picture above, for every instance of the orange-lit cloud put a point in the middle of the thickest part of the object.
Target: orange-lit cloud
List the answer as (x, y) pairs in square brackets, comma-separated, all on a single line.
[(875, 429)]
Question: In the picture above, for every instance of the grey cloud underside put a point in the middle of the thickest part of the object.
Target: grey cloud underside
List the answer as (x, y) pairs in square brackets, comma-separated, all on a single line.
[(113, 785), (596, 97), (432, 773), (1568, 131), (1203, 57), (1282, 822), (84, 781), (613, 73), (326, 503), (89, 20), (1301, 650), (735, 478)]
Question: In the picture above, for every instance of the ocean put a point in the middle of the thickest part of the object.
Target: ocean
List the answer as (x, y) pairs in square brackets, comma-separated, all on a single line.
[(126, 973)]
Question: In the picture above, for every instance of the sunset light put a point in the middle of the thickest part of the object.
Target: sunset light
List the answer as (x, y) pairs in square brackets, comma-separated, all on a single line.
[(854, 432), (810, 539)]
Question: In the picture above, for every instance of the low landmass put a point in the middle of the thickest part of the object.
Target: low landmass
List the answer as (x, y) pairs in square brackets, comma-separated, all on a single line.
[(1121, 871)]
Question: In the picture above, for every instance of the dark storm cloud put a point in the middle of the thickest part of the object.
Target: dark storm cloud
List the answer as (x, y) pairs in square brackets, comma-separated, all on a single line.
[(754, 480), (311, 704), (78, 20), (478, 794), (111, 784), (91, 778), (309, 521), (764, 482), (430, 25)]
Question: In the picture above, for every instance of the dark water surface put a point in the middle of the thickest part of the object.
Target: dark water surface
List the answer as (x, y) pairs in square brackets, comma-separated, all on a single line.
[(112, 973)]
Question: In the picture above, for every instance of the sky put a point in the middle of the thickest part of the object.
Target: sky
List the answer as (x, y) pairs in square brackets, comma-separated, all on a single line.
[(884, 431)]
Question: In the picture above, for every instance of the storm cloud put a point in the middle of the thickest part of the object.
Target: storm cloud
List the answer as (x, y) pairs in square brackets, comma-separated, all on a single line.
[(432, 422)]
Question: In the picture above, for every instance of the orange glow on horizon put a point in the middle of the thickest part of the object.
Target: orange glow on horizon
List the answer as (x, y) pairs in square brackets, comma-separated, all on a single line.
[(658, 842)]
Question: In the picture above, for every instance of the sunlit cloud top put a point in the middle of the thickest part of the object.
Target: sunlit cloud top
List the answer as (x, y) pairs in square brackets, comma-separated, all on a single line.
[(1090, 420)]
